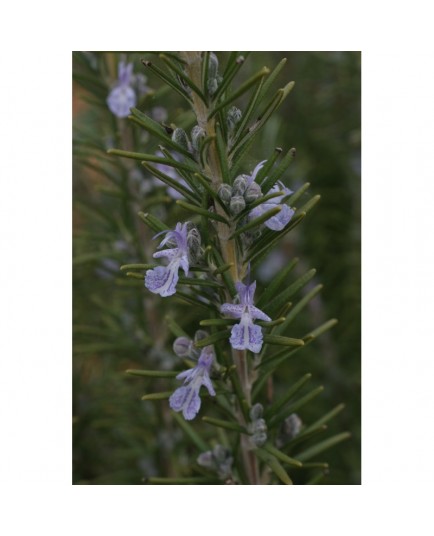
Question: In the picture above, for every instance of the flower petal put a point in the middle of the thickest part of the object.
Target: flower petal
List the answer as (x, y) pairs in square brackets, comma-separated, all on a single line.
[(256, 313), (281, 220), (246, 336), (120, 100), (162, 279), (232, 309), (187, 399), (206, 382), (169, 253)]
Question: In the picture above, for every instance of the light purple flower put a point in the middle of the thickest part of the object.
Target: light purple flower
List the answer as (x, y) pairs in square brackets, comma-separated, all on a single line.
[(163, 279), (186, 398), (280, 220), (122, 97), (245, 335)]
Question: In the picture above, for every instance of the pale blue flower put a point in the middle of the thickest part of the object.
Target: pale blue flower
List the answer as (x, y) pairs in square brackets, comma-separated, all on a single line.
[(280, 220), (163, 279), (186, 398), (122, 97), (245, 335)]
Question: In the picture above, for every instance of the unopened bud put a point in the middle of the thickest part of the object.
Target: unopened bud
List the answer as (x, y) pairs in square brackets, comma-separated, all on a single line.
[(205, 459), (225, 193), (182, 346), (253, 193), (179, 136), (200, 334), (292, 426), (213, 66), (256, 412), (237, 204), (259, 439), (240, 184), (194, 244), (233, 117), (197, 135)]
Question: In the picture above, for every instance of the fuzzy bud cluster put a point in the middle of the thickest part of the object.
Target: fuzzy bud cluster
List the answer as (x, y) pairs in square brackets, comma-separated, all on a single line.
[(241, 193), (218, 460)]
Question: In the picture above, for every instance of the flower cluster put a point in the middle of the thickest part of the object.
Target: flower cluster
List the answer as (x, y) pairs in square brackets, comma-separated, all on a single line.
[(186, 398), (219, 460), (257, 427), (245, 335)]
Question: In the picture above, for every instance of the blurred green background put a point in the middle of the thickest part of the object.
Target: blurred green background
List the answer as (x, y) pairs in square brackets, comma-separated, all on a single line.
[(117, 438)]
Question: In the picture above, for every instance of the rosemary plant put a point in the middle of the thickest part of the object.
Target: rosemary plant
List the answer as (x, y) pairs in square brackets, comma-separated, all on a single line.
[(218, 366)]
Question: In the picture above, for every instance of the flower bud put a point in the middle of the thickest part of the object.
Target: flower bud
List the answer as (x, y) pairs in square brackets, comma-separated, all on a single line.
[(259, 439), (256, 412), (200, 334), (233, 117), (179, 136), (253, 193), (237, 204), (205, 459), (213, 66), (225, 193), (197, 135), (292, 426), (194, 244), (182, 346), (240, 184)]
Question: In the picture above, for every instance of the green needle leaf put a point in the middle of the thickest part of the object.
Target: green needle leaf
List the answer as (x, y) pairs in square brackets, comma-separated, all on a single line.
[(157, 396), (269, 181), (282, 341), (274, 408), (154, 223), (153, 373), (275, 284), (182, 74), (320, 422), (274, 465), (157, 130), (169, 181), (225, 424), (190, 432), (241, 90), (202, 211), (295, 406), (167, 79), (321, 447), (281, 456), (126, 267), (215, 337)]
